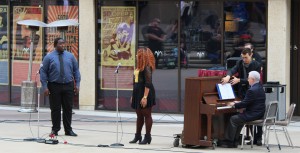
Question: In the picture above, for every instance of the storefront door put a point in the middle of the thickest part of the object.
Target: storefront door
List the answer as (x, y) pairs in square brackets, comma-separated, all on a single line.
[(295, 55)]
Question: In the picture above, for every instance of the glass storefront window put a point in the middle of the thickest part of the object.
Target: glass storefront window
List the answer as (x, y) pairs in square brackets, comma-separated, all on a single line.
[(221, 29), (158, 28), (244, 23), (155, 30), (202, 32), (192, 35), (116, 46), (62, 10), (4, 56), (20, 44), (185, 36), (47, 12)]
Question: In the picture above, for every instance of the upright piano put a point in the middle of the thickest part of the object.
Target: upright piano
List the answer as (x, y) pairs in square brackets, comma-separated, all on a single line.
[(205, 115)]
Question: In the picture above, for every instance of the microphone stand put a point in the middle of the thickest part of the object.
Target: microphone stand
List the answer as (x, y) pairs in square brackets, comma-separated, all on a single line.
[(40, 140), (117, 144)]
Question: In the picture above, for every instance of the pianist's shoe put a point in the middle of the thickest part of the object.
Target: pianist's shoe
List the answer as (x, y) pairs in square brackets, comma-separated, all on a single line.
[(258, 142), (227, 144)]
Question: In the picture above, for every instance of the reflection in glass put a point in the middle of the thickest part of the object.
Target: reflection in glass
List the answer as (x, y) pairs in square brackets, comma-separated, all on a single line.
[(116, 44), (61, 10), (155, 37), (4, 56), (201, 38), (158, 30), (20, 40), (187, 36), (245, 26), (201, 32), (22, 34)]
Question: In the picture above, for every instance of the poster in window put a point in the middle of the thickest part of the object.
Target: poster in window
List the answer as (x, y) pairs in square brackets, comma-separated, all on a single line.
[(3, 45), (21, 39), (22, 34), (70, 35), (117, 45)]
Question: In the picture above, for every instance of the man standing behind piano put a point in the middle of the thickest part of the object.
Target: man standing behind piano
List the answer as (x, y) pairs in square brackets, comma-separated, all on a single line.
[(242, 67), (254, 104), (258, 131)]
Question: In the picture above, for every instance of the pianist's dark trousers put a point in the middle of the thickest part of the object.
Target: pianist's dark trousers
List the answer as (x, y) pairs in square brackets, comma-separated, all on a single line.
[(61, 95), (258, 132), (234, 129)]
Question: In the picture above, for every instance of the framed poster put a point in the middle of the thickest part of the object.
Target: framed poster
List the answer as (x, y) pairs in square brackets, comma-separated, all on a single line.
[(117, 45), (21, 37), (22, 34), (70, 35)]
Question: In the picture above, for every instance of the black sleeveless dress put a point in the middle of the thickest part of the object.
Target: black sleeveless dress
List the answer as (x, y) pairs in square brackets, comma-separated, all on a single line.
[(142, 79)]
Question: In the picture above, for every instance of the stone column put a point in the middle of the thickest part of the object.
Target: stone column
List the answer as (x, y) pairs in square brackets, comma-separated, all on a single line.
[(278, 62), (87, 63)]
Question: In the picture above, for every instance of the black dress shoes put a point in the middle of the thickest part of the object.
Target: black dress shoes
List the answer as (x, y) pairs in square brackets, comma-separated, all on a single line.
[(70, 133), (227, 144), (258, 143), (54, 133)]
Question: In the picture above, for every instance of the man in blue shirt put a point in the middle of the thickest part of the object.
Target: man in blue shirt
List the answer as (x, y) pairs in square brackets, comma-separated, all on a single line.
[(60, 78)]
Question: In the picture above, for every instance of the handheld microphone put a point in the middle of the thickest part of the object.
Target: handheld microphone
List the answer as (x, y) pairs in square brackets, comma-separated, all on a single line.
[(41, 65), (117, 69)]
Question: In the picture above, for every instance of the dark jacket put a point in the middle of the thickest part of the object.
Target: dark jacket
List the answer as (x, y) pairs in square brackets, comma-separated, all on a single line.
[(257, 58), (254, 102), (243, 85)]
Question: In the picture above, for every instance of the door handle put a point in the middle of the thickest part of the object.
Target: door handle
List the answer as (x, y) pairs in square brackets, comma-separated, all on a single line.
[(295, 47)]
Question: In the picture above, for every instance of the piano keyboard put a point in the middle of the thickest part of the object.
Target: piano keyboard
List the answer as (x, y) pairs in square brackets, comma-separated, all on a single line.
[(224, 107)]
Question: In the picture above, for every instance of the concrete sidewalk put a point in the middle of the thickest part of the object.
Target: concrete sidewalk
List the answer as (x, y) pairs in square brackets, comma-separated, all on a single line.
[(99, 127)]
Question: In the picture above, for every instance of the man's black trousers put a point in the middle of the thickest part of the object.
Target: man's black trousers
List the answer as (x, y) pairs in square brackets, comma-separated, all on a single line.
[(61, 96)]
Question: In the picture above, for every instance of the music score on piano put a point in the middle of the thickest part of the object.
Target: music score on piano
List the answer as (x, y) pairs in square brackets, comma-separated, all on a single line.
[(225, 91)]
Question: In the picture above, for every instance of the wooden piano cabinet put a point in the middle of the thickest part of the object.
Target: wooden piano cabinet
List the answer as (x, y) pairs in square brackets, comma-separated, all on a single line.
[(198, 116)]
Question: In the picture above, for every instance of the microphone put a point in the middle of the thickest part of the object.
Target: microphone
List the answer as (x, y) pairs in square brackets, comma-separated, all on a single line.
[(41, 65), (117, 69)]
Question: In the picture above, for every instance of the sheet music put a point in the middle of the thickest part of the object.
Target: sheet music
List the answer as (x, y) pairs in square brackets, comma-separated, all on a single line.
[(225, 91)]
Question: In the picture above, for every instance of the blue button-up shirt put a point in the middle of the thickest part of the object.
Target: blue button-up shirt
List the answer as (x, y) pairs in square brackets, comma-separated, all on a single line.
[(50, 69)]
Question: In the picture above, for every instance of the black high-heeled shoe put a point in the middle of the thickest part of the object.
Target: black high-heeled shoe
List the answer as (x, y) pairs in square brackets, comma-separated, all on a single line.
[(137, 137), (147, 139)]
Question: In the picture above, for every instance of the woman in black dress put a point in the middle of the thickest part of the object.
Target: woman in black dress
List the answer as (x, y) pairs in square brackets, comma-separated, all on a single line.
[(143, 95)]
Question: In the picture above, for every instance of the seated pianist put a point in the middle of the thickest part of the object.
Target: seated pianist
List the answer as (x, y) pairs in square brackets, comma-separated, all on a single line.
[(254, 109)]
